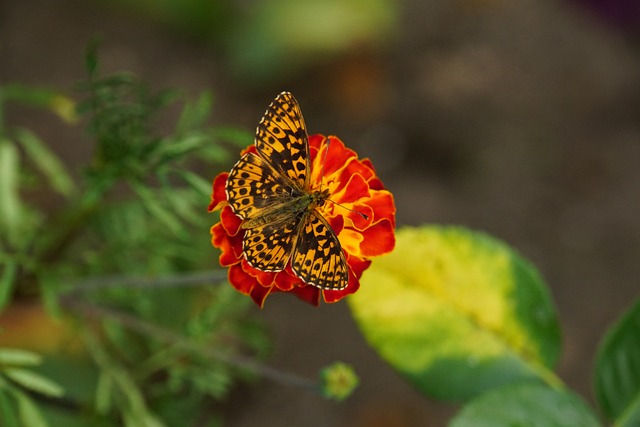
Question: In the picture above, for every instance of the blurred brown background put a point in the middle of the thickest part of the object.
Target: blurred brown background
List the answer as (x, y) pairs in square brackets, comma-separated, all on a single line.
[(520, 118)]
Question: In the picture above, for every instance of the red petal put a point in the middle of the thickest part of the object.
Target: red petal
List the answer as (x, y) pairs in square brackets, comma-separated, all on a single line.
[(383, 206), (230, 221), (241, 280), (218, 193), (308, 293), (358, 265), (378, 239), (287, 280), (335, 296), (354, 189), (259, 294)]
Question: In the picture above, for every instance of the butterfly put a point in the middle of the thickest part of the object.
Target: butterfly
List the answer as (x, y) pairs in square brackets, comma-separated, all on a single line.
[(271, 192)]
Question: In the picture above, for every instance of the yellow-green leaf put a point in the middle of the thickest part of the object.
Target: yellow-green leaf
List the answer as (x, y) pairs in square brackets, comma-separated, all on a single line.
[(457, 312), (18, 357), (10, 204), (46, 161), (33, 382)]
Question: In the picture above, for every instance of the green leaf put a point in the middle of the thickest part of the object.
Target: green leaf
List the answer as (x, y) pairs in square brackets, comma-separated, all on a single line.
[(531, 405), (104, 389), (8, 417), (28, 412), (18, 357), (151, 203), (7, 280), (91, 56), (46, 161), (458, 312), (240, 138), (10, 204), (617, 370), (195, 114), (33, 382), (201, 185)]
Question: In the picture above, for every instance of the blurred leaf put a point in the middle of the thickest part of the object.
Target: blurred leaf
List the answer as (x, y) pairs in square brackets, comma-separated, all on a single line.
[(104, 389), (46, 161), (531, 405), (33, 382), (8, 417), (10, 204), (7, 282), (199, 184), (49, 99), (132, 419), (18, 357), (262, 48), (91, 56), (174, 149), (195, 114), (457, 313), (28, 412), (150, 200), (182, 204), (239, 138), (617, 370)]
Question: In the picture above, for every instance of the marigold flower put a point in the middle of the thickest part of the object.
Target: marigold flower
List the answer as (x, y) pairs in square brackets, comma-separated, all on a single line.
[(362, 215)]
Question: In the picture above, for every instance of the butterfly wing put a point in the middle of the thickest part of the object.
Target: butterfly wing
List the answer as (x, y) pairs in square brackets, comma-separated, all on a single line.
[(268, 247), (253, 187), (281, 139), (317, 257)]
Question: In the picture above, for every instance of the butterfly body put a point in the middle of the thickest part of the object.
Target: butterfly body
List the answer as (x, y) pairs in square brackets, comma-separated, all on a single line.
[(271, 192)]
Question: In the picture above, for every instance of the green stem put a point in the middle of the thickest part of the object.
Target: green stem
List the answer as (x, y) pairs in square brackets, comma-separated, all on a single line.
[(140, 282), (171, 338)]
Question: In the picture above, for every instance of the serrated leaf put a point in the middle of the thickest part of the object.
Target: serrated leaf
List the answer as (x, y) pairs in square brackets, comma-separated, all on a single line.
[(47, 162), (28, 412), (18, 357), (531, 405), (457, 312), (33, 382), (617, 371)]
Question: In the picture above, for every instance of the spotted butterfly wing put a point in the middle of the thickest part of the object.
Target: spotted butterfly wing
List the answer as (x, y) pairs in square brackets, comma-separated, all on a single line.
[(282, 139), (271, 192), (318, 258)]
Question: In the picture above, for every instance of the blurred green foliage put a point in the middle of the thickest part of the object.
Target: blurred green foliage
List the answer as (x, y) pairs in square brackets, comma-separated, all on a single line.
[(114, 263), (271, 40)]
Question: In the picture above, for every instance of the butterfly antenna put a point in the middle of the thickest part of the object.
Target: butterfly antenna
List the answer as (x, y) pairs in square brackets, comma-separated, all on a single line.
[(350, 210), (326, 152)]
